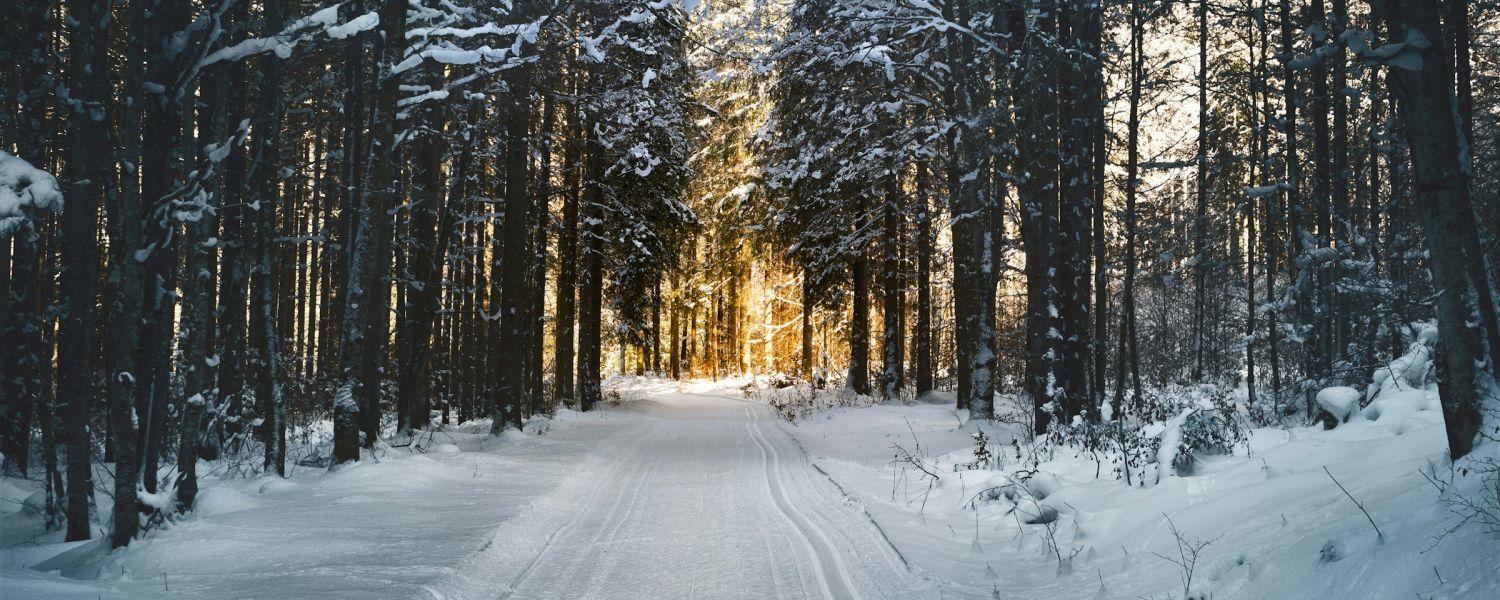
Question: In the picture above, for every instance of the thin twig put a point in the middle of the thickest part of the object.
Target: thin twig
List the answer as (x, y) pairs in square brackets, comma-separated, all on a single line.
[(1378, 536)]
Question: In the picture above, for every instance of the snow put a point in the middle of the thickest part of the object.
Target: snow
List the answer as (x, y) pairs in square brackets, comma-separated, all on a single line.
[(1271, 511), (223, 500), (1171, 439), (24, 187), (386, 527), (1341, 402), (698, 489), (358, 24)]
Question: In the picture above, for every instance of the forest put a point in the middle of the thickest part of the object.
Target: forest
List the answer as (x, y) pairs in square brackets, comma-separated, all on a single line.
[(245, 238)]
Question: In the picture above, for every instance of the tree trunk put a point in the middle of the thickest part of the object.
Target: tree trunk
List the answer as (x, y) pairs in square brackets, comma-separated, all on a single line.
[(198, 339), (1127, 355), (361, 250), (515, 261), (807, 345), (674, 307), (1082, 86), (567, 255), (430, 239), (591, 281), (1444, 195), (1048, 250), (859, 322), (264, 199), (892, 338), (1200, 215), (86, 177), (922, 345), (973, 270), (381, 193)]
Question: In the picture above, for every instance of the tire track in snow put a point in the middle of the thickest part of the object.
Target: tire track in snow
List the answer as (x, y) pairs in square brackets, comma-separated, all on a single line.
[(804, 527)]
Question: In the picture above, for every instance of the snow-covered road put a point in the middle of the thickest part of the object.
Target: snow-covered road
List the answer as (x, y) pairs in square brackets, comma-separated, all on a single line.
[(694, 496), (681, 491), (685, 490)]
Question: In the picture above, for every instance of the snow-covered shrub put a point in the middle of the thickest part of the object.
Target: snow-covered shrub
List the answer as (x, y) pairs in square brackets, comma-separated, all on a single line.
[(1118, 444), (1193, 421), (1216, 428), (797, 401), (617, 397), (537, 424)]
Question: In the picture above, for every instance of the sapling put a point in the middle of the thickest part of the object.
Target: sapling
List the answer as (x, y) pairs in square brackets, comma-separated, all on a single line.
[(1188, 551)]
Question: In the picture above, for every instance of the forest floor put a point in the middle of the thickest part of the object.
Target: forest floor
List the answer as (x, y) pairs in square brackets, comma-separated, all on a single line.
[(691, 490)]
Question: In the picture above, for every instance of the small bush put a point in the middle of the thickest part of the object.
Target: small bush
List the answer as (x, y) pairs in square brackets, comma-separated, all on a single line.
[(1130, 443)]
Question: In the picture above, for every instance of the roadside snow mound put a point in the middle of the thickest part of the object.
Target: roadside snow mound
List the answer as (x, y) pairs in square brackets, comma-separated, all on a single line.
[(1057, 521)]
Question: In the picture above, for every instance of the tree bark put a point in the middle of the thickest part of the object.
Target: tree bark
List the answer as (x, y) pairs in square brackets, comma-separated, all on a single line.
[(430, 239), (1444, 195), (515, 291), (1200, 214), (86, 176), (892, 351), (859, 322), (1082, 82), (973, 270), (922, 344), (591, 280), (361, 250), (1128, 357), (266, 168), (1048, 250), (567, 252)]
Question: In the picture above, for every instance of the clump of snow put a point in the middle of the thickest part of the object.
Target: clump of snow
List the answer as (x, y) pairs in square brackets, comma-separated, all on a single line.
[(163, 499), (1341, 402), (34, 505), (363, 22), (24, 187), (446, 449), (537, 424), (513, 435), (1171, 440), (1405, 387), (1408, 371)]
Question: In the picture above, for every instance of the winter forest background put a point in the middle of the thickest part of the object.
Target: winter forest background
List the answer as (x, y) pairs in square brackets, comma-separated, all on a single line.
[(1045, 259)]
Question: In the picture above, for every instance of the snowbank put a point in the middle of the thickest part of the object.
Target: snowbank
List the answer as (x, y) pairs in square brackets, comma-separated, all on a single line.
[(386, 527), (1278, 527)]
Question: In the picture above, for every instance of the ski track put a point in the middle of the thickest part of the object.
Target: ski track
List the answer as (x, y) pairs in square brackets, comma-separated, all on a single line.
[(572, 523), (818, 551), (696, 496)]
